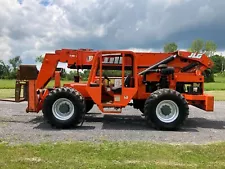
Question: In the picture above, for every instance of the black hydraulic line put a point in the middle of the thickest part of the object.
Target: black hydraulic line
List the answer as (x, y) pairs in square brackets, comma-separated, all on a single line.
[(190, 66), (157, 64)]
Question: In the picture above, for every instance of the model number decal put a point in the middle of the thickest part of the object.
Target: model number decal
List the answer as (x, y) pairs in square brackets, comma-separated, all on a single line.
[(195, 55)]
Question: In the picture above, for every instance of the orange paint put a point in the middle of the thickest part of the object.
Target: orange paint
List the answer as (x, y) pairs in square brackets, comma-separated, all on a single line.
[(97, 90)]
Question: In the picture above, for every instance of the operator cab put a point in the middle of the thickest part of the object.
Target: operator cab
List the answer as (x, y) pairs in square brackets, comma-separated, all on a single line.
[(113, 78)]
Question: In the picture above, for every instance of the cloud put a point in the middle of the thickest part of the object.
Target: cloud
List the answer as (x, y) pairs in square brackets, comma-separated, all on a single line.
[(33, 27)]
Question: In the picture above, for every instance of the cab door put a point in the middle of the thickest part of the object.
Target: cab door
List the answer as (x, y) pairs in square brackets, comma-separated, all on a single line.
[(129, 80)]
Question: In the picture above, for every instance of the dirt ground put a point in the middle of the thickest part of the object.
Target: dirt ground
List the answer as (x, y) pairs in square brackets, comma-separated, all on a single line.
[(16, 126)]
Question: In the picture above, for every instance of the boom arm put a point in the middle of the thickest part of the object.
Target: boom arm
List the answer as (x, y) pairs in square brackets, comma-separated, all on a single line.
[(71, 57), (47, 70)]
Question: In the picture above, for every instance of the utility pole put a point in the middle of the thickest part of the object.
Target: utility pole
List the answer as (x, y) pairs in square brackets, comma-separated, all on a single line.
[(222, 67)]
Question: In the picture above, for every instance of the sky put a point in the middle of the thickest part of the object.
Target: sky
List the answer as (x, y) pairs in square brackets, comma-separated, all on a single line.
[(30, 28)]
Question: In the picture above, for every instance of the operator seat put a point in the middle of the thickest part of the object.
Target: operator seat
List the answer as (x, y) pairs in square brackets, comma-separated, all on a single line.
[(118, 90)]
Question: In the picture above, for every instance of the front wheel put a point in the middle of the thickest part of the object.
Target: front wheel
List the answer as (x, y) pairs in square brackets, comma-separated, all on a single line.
[(64, 108), (166, 109)]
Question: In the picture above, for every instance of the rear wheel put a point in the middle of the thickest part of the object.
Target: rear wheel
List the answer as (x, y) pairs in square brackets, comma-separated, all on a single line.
[(139, 104), (64, 108), (166, 109)]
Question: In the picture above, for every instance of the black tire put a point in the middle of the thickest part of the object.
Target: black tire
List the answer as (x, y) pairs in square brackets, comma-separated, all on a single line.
[(76, 101), (139, 104), (141, 110), (150, 109), (89, 105)]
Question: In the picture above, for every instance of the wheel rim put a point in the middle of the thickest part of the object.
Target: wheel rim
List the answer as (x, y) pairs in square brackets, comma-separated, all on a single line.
[(63, 109), (167, 111)]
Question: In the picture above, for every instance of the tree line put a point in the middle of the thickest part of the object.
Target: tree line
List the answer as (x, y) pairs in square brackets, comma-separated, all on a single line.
[(8, 71)]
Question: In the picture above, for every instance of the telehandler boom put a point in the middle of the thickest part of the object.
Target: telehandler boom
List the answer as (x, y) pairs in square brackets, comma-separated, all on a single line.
[(160, 85)]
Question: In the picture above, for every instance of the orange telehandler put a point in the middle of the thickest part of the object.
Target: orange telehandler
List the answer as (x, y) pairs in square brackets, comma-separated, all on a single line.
[(160, 85)]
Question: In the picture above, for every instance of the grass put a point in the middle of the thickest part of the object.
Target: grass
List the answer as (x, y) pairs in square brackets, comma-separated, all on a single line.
[(6, 93), (7, 84), (84, 155), (219, 79), (214, 86), (219, 84), (218, 95), (10, 84)]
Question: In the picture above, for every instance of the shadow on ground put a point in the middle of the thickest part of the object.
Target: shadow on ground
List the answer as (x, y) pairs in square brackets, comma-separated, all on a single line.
[(125, 122), (120, 122)]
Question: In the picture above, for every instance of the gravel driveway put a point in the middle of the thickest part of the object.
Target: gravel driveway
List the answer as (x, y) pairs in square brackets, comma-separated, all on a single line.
[(16, 126)]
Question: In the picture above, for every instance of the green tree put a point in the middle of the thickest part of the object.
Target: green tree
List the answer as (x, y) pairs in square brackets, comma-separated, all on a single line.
[(39, 59), (170, 47), (70, 75), (15, 62), (14, 65), (197, 46), (219, 63), (4, 70), (85, 75), (210, 48)]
